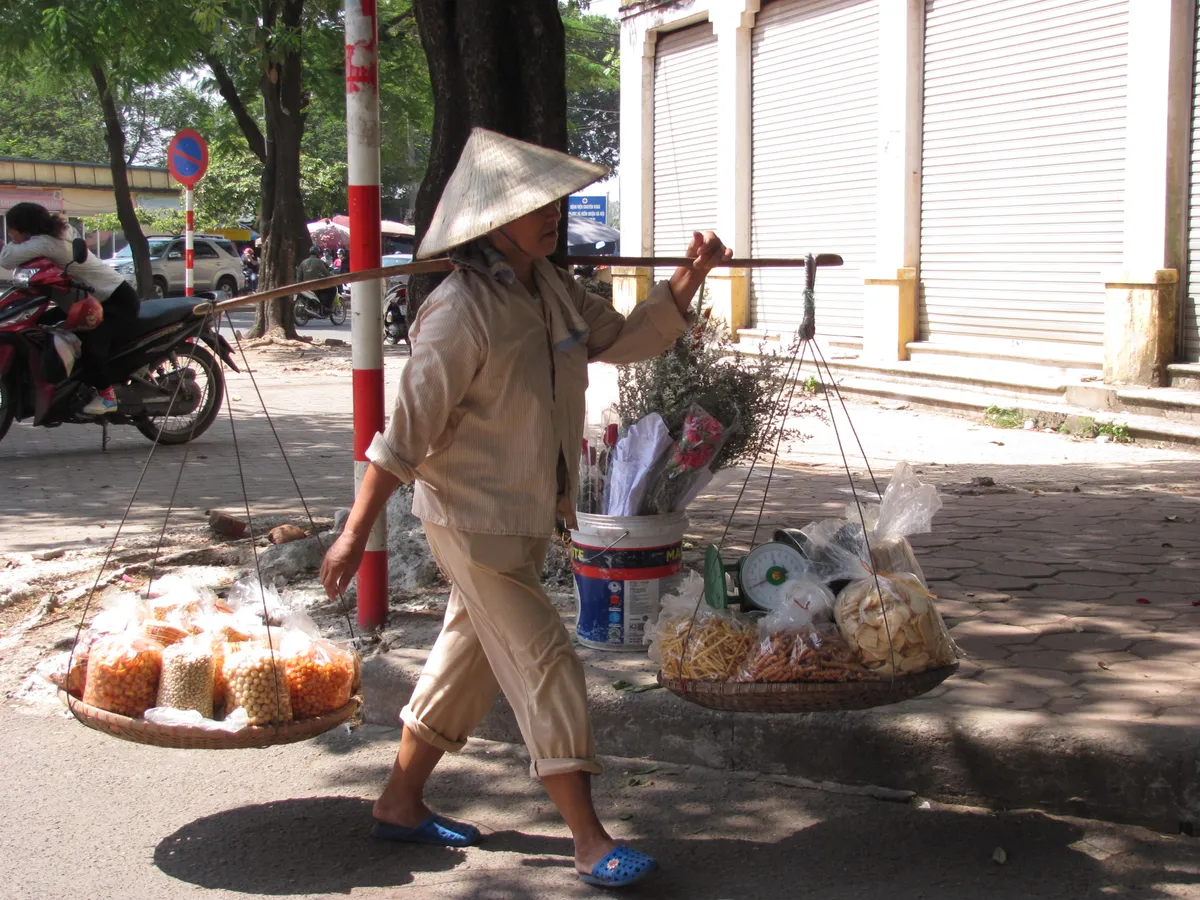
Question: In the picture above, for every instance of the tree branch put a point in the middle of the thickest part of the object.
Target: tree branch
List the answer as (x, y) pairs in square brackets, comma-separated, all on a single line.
[(249, 127), (395, 21)]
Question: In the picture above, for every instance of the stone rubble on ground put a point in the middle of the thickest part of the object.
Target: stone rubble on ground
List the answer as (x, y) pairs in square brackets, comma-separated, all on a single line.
[(287, 561), (411, 566)]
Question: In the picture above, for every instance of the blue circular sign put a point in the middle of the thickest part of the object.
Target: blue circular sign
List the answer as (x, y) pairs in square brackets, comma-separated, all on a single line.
[(187, 157)]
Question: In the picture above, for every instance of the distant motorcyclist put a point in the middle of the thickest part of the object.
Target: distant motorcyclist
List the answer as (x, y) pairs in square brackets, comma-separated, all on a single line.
[(250, 269), (34, 231), (312, 268)]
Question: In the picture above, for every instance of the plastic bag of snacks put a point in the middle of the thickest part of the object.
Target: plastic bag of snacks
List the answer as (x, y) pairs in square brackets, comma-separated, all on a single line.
[(908, 507), (250, 597), (229, 627), (256, 681), (811, 653), (320, 675), (901, 633), (839, 548), (188, 675), (123, 672), (695, 641), (118, 613), (799, 642), (179, 603)]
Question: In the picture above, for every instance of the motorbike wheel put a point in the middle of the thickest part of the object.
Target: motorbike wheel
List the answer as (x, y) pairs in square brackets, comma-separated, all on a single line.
[(8, 405), (337, 313), (208, 380), (300, 311)]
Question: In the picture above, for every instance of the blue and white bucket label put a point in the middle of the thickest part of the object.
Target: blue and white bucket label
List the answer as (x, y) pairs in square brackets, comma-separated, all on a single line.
[(618, 592)]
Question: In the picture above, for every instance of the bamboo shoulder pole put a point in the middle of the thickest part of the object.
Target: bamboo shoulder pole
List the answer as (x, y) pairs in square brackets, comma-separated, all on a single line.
[(423, 267)]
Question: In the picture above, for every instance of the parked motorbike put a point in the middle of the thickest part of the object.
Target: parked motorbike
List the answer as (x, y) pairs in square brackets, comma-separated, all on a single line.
[(169, 386), (395, 317), (309, 306)]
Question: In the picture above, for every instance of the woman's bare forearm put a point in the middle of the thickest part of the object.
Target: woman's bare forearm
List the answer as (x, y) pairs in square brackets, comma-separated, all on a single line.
[(377, 486)]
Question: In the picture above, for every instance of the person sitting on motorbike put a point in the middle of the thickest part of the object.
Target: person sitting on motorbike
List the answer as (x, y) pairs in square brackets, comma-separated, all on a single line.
[(339, 262), (33, 231), (250, 269), (314, 267)]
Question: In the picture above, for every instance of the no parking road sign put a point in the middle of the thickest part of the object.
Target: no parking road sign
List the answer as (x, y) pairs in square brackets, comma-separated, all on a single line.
[(187, 157)]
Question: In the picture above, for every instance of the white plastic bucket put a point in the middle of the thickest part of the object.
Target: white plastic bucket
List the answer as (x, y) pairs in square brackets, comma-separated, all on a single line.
[(623, 565)]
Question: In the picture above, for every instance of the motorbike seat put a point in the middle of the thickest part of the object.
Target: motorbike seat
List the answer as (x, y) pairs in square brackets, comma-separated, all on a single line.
[(161, 312)]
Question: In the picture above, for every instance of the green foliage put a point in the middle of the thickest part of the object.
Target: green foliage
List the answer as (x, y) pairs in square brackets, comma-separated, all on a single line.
[(1118, 431), (231, 190), (705, 368), (1003, 417), (1088, 428), (811, 384), (593, 83), (50, 119), (133, 41)]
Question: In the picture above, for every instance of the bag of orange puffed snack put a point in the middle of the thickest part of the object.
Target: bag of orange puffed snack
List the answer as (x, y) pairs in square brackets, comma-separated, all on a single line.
[(123, 673), (320, 675)]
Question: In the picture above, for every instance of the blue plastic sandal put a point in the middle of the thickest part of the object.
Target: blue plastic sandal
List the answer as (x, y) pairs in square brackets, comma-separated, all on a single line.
[(436, 830), (622, 867)]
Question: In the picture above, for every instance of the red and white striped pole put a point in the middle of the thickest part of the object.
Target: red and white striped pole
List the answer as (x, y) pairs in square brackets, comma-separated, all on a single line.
[(189, 245), (366, 301)]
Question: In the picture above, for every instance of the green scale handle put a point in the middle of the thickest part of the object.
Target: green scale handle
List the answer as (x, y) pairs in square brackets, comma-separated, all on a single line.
[(716, 590)]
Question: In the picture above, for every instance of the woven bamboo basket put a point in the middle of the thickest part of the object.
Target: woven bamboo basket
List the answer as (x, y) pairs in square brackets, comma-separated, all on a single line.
[(802, 697), (187, 738)]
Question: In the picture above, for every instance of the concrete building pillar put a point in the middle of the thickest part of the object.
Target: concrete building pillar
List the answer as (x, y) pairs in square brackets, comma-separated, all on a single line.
[(1141, 307), (890, 296), (632, 284), (728, 289)]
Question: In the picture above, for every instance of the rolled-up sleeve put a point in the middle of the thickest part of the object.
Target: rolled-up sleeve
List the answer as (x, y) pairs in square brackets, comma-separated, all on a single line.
[(649, 330), (446, 354)]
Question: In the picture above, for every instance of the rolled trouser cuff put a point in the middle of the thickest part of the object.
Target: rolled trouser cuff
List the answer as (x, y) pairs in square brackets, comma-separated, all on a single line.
[(540, 768), (427, 734)]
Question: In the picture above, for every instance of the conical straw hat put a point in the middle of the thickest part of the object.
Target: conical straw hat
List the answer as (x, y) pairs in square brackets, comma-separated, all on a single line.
[(498, 179)]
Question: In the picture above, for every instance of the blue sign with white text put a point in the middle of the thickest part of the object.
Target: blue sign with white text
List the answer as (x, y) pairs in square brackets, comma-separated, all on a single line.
[(594, 209)]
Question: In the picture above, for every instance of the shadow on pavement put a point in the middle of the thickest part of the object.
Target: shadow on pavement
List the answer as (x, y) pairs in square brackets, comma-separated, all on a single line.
[(315, 845), (940, 853)]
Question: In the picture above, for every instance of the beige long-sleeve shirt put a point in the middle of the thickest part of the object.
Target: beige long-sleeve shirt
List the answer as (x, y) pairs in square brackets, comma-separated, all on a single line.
[(484, 412)]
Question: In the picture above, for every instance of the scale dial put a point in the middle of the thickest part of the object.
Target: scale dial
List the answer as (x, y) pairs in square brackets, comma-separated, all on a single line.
[(766, 571)]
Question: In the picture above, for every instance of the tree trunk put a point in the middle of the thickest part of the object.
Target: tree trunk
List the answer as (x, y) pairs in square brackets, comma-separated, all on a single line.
[(283, 222), (114, 136), (497, 65)]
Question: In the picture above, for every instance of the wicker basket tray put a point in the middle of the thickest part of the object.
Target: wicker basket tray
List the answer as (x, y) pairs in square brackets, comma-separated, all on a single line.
[(801, 697), (186, 738)]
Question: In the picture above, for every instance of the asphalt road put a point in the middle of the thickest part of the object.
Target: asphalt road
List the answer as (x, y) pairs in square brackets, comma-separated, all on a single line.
[(90, 816), (316, 328)]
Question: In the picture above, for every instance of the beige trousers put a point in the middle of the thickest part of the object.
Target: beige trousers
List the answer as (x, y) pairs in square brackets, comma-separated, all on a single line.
[(502, 632)]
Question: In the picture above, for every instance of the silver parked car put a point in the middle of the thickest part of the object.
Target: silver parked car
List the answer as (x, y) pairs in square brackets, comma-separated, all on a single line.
[(396, 259), (217, 266)]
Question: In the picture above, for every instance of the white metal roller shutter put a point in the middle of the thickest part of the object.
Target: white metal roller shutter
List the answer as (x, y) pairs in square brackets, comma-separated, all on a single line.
[(815, 96), (1023, 171), (1191, 307), (685, 138)]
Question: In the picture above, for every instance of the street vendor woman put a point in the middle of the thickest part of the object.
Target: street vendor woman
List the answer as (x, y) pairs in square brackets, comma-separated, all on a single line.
[(488, 424)]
